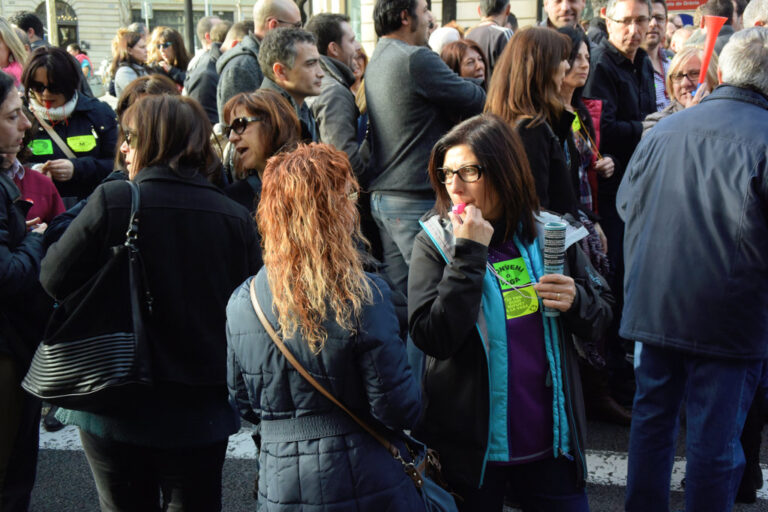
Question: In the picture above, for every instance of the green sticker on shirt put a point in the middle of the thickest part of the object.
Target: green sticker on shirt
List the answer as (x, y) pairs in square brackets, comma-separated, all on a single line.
[(513, 272), (517, 305), (41, 147), (522, 301), (81, 143)]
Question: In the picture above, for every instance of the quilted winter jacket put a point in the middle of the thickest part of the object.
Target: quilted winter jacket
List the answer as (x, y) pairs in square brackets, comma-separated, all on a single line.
[(369, 373)]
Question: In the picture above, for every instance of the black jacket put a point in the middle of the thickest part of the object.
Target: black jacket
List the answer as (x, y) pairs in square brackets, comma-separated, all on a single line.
[(556, 175), (444, 305), (21, 317), (197, 247), (628, 93), (201, 82), (94, 123)]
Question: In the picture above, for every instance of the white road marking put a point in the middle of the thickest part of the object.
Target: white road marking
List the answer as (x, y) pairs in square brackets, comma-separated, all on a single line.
[(605, 467)]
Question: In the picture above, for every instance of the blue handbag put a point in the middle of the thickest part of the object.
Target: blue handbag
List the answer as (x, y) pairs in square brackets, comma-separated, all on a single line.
[(424, 464)]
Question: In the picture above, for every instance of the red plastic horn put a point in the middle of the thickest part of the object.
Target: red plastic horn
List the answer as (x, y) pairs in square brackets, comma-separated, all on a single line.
[(713, 24)]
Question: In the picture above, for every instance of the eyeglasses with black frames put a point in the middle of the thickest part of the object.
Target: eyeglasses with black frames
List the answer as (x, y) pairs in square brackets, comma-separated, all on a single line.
[(466, 173)]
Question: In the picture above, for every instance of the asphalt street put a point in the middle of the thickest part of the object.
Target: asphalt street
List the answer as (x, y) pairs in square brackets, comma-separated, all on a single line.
[(64, 481)]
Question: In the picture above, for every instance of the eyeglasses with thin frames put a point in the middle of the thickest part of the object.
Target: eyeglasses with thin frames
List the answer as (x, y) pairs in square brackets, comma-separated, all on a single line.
[(640, 21), (296, 24), (693, 76)]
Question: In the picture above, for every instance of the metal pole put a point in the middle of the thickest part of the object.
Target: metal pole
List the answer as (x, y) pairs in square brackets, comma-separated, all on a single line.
[(53, 28), (190, 25)]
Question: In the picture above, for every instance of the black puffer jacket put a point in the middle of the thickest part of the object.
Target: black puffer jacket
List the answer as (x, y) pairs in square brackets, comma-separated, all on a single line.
[(91, 134)]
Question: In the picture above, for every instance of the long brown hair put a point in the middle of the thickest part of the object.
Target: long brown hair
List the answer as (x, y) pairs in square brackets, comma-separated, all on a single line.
[(310, 229), (174, 131), (523, 84), (181, 57), (283, 130), (121, 46), (501, 155)]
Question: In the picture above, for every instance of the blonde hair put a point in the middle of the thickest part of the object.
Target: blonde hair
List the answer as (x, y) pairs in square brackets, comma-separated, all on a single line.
[(11, 39), (682, 57), (310, 231), (121, 47)]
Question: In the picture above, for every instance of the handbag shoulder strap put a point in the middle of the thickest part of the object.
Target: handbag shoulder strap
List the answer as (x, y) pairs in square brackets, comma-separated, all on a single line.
[(53, 135), (392, 449), (132, 234)]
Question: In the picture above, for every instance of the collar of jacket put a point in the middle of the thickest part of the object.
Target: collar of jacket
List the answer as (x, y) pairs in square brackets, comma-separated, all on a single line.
[(165, 173), (301, 111), (249, 46), (215, 51), (732, 92), (337, 70), (621, 59)]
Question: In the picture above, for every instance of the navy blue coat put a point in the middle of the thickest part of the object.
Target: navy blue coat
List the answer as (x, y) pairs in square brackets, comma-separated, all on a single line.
[(695, 202), (369, 373), (93, 125)]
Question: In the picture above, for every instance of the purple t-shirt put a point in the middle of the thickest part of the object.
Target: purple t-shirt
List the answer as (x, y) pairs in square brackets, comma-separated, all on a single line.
[(529, 388)]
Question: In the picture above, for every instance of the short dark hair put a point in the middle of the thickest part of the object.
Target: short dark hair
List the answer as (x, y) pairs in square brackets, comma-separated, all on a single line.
[(219, 32), (740, 6), (500, 153), (204, 26), (386, 15), (327, 29), (62, 69), (722, 8), (662, 2), (26, 20), (6, 86), (492, 7), (279, 45)]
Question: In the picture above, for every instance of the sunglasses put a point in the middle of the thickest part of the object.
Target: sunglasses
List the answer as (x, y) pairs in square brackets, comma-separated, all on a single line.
[(296, 24), (39, 88), (129, 136), (164, 46), (240, 124)]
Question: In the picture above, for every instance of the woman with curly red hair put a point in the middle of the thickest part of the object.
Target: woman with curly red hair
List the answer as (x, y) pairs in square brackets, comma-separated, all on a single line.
[(339, 322)]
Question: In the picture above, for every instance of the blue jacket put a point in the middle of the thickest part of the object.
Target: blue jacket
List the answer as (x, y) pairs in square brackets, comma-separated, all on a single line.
[(454, 309), (343, 471), (695, 202), (91, 134)]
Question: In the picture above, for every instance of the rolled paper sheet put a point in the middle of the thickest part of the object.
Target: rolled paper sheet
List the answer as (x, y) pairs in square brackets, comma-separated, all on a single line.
[(554, 254)]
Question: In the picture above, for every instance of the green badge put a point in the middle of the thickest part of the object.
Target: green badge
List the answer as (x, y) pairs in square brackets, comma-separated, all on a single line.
[(513, 272), (81, 143), (41, 147), (517, 305)]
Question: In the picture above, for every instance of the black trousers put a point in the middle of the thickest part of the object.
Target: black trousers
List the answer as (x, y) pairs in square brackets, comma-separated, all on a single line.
[(19, 439), (135, 478)]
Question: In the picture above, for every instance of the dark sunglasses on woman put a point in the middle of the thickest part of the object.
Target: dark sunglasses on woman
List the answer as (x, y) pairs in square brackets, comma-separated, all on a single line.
[(240, 124)]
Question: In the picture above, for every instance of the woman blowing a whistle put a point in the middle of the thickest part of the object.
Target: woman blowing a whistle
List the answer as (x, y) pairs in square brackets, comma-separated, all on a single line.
[(503, 402)]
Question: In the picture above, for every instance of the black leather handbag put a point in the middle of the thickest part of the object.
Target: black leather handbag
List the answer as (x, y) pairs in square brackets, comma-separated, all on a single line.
[(91, 361)]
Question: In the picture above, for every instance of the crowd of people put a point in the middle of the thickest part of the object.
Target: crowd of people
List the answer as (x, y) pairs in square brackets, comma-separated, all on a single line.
[(317, 226)]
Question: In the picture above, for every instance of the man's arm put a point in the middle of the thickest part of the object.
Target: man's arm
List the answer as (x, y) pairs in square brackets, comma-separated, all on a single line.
[(336, 114), (439, 84)]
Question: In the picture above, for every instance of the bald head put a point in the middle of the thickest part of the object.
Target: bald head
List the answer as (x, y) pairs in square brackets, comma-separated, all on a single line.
[(271, 14), (756, 14)]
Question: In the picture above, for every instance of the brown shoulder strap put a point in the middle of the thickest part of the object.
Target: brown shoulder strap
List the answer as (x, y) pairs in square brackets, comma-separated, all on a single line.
[(53, 135), (304, 373)]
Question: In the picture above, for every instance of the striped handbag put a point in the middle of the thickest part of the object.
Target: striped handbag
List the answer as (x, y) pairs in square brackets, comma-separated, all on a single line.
[(89, 360)]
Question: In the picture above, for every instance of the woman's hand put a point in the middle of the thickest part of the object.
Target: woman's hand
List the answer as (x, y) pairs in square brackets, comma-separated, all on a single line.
[(59, 170), (556, 291), (36, 226), (702, 93), (471, 225), (605, 167)]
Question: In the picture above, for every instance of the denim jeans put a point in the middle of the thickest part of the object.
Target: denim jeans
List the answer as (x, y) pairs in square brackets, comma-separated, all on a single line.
[(397, 216), (547, 485), (718, 394), (130, 477)]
